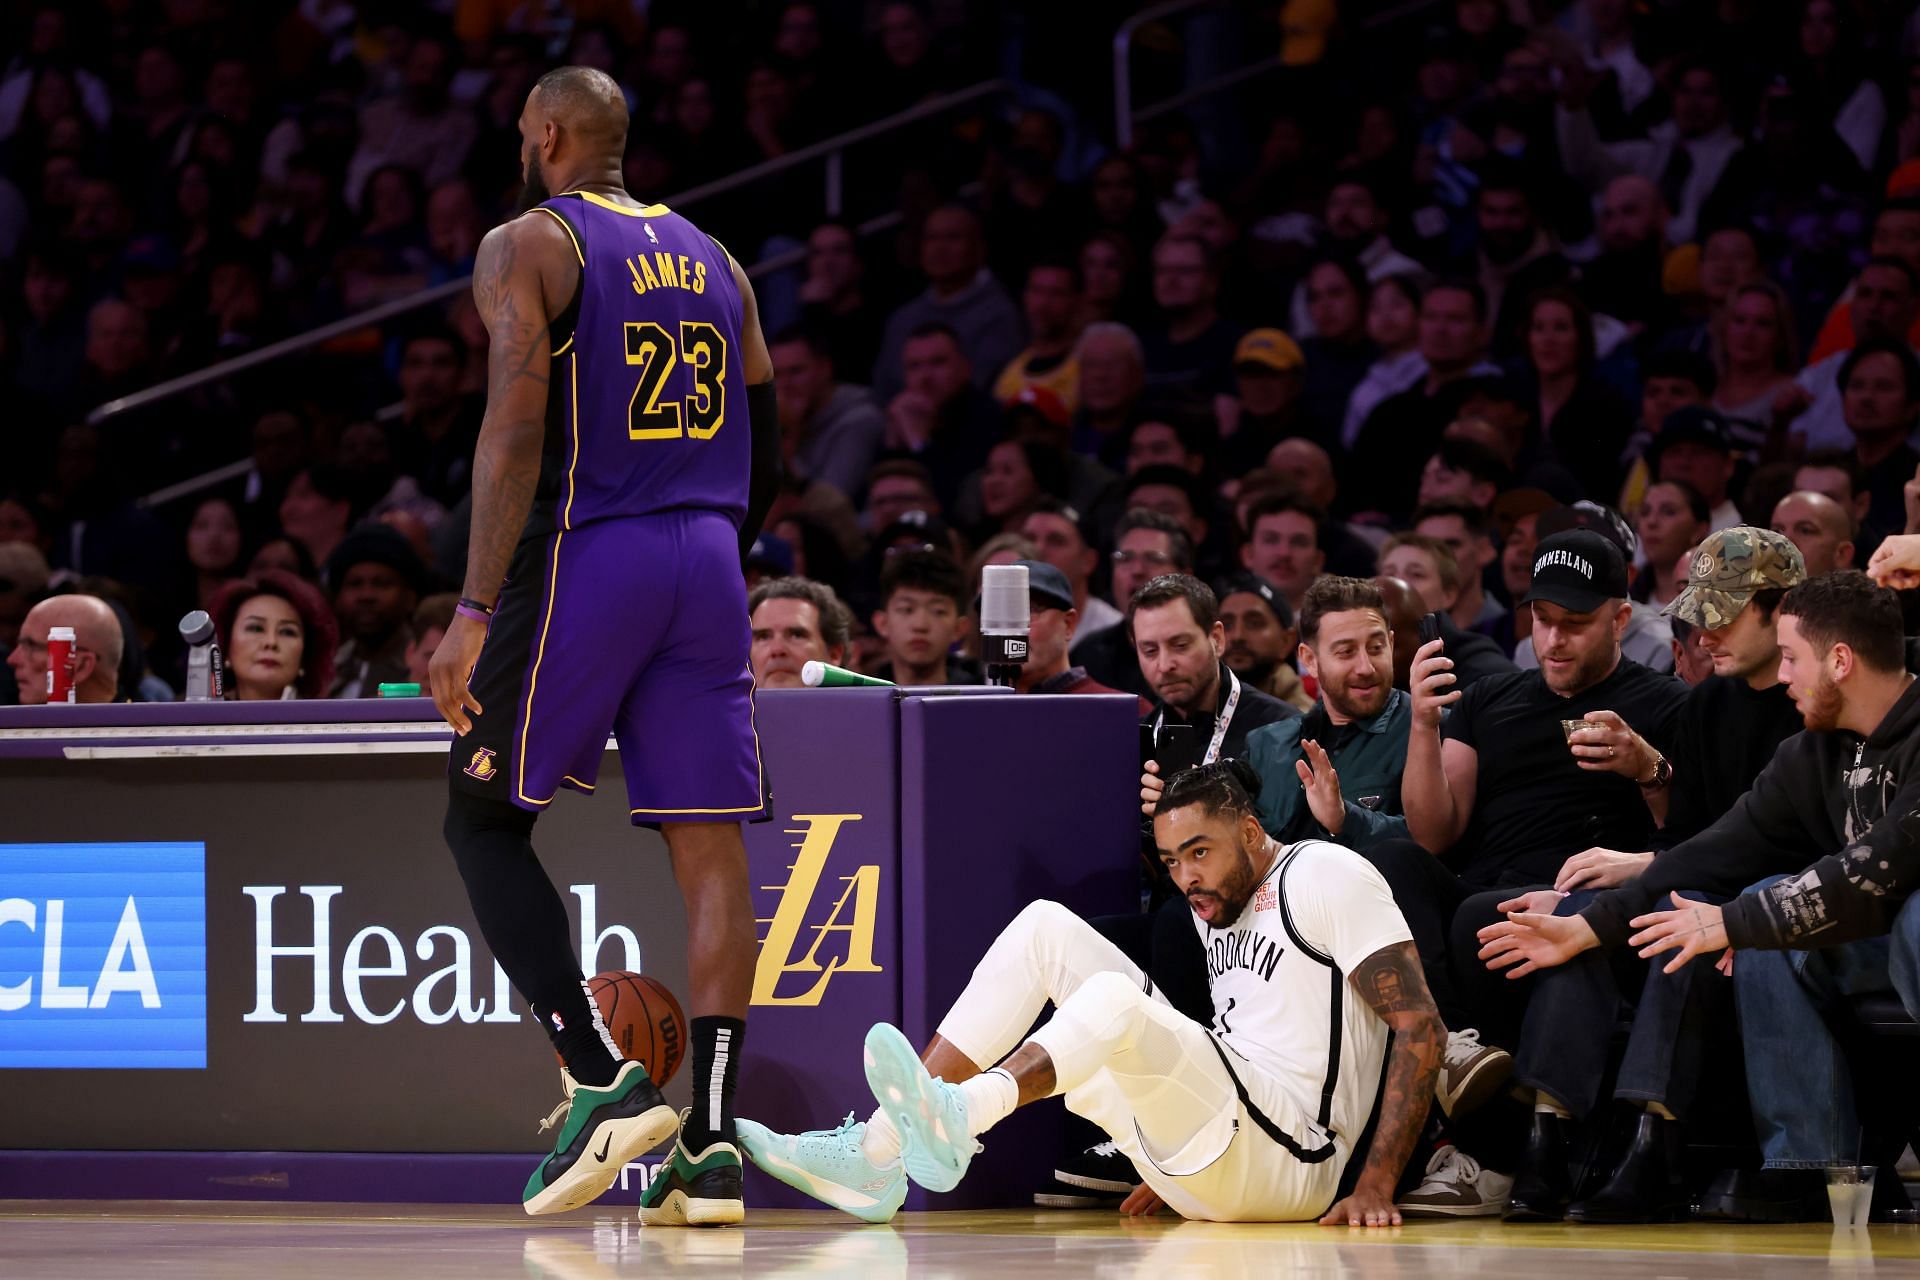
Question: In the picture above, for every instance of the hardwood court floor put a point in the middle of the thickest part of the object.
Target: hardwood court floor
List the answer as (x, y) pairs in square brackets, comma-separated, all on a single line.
[(222, 1241)]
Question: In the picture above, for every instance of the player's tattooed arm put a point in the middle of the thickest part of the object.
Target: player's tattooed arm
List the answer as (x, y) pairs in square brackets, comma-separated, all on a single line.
[(1392, 982), (511, 288)]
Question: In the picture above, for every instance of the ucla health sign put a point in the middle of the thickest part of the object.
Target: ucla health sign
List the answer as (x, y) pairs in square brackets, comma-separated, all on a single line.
[(103, 955)]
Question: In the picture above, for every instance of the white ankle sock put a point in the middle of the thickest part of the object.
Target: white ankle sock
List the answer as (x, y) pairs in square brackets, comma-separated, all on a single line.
[(991, 1097), (881, 1145)]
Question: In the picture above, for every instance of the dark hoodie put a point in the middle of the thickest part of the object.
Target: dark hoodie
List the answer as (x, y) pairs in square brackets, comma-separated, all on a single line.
[(1858, 798)]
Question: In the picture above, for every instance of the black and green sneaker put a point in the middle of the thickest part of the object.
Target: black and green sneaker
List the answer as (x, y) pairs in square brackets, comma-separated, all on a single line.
[(695, 1190), (605, 1128)]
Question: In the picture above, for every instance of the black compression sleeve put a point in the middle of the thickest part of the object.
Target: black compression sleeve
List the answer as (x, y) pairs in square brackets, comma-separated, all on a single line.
[(764, 482)]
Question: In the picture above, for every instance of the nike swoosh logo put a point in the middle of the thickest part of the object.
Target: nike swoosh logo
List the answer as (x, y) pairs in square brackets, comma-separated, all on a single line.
[(601, 1155)]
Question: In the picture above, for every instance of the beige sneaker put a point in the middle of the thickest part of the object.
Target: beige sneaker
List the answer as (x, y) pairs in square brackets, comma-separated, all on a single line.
[(1457, 1186), (1470, 1072)]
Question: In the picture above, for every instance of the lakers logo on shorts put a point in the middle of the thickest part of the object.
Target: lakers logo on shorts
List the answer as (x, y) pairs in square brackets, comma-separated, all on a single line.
[(482, 766)]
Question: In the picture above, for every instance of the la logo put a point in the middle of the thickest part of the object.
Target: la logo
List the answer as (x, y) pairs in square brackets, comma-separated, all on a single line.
[(853, 915)]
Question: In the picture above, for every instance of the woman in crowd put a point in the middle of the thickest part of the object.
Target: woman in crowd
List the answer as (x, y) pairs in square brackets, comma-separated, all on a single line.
[(1586, 422), (1672, 521), (1018, 474), (214, 548), (1757, 356), (278, 636)]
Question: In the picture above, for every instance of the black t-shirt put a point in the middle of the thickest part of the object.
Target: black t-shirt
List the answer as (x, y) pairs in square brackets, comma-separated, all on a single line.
[(1726, 735), (1533, 807)]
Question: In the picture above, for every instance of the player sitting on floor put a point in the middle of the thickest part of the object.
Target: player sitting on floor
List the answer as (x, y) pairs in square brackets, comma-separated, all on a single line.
[(1309, 964)]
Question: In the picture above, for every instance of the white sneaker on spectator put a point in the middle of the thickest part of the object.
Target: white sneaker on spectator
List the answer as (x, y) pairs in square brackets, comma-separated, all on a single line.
[(1470, 1072), (1457, 1187)]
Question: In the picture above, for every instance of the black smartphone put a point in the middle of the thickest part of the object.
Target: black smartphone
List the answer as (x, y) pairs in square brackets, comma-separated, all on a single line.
[(1429, 628), (1179, 748)]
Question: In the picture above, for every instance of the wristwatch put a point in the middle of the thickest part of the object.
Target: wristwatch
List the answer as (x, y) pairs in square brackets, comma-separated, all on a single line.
[(1662, 776)]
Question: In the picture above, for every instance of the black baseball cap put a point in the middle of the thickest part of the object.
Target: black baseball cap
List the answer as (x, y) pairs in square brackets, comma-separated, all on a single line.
[(1693, 424), (1579, 569), (377, 544), (1236, 583)]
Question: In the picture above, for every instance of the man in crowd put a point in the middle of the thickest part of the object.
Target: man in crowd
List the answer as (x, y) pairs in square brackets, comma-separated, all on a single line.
[(961, 297), (1283, 544), (1335, 772), (1729, 728), (795, 621), (1820, 527), (98, 644), (430, 622), (438, 425), (941, 418), (1824, 833), (376, 579), (1453, 338), (1193, 347), (1306, 467), (1466, 530), (1051, 302), (1426, 565), (1880, 396), (829, 431), (1113, 373), (1261, 637), (922, 601), (1146, 545), (1356, 228), (1886, 304), (1507, 792), (1055, 528), (1175, 621), (1837, 474), (1053, 615), (1696, 447), (1648, 639)]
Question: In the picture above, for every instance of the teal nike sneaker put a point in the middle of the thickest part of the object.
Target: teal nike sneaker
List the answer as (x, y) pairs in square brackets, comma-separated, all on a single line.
[(829, 1165), (930, 1114), (695, 1190), (604, 1129)]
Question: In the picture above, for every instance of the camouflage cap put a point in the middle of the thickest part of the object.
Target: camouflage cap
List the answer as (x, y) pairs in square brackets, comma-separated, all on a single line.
[(1729, 567)]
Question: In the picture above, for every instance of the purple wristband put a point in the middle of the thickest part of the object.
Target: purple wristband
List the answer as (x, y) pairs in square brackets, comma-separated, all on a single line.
[(468, 611)]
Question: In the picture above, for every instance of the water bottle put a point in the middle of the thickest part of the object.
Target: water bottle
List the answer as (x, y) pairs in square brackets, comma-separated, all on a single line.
[(203, 657)]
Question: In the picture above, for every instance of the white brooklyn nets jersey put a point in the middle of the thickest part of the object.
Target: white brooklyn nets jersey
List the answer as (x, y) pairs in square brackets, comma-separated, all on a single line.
[(1282, 1004)]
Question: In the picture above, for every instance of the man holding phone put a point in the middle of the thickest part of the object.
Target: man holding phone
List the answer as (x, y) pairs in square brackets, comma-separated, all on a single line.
[(1508, 795)]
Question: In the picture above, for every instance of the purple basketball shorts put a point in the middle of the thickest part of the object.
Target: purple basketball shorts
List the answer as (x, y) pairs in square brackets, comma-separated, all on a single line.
[(637, 628)]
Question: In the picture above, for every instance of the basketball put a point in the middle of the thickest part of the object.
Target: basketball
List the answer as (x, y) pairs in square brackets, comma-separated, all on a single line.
[(644, 1020)]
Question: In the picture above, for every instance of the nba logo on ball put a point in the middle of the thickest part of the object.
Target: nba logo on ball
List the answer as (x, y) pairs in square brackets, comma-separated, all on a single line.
[(482, 765)]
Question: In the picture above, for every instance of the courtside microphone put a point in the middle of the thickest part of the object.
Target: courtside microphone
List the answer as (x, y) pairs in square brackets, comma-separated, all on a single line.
[(203, 657), (1005, 616)]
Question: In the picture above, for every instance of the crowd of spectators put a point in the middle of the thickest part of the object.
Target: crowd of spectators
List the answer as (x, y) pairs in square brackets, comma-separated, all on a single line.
[(1469, 423)]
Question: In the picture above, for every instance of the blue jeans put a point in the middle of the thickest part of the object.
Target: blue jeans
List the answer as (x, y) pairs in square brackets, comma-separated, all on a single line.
[(1570, 1020), (1798, 1080)]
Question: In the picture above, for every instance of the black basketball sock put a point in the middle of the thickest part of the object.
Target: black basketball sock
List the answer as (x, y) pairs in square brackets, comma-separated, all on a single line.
[(525, 924), (716, 1066)]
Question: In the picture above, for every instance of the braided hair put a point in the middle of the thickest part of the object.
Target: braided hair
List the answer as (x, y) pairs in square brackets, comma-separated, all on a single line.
[(1227, 786)]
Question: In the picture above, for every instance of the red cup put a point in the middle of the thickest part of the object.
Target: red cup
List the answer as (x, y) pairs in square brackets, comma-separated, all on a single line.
[(60, 654)]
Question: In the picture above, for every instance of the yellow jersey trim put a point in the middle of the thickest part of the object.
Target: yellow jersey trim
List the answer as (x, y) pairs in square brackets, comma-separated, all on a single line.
[(573, 459), (533, 678), (584, 786), (568, 228), (563, 348), (644, 211), (752, 808)]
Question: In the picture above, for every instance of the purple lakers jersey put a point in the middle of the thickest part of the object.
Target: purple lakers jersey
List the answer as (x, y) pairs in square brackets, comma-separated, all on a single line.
[(646, 410)]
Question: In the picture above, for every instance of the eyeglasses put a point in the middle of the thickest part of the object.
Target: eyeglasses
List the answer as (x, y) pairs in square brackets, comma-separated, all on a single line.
[(1156, 558)]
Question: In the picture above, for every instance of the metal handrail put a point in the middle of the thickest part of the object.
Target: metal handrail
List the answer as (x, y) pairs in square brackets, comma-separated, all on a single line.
[(830, 148), (1123, 63)]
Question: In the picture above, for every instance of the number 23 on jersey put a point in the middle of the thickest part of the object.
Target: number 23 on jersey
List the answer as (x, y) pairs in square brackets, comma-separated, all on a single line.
[(656, 352)]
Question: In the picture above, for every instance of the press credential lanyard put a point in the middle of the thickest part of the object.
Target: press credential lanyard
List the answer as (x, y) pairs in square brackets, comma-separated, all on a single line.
[(1220, 724)]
